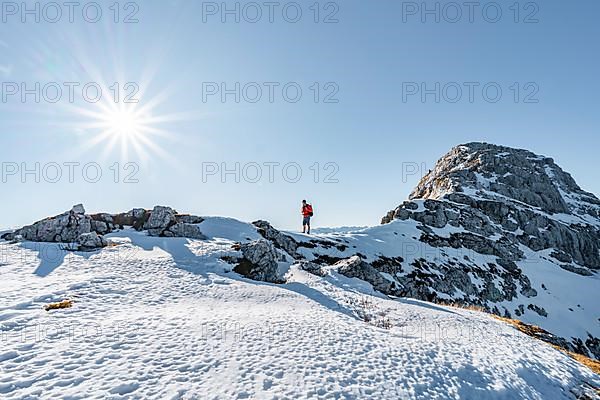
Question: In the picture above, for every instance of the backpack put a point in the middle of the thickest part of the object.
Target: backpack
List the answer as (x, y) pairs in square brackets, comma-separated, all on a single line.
[(309, 209)]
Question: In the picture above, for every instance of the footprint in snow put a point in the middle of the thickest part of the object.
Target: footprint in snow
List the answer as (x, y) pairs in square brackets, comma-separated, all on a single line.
[(125, 388)]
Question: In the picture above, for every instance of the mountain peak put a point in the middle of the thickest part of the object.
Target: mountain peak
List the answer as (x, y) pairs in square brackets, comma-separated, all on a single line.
[(501, 192), (517, 176)]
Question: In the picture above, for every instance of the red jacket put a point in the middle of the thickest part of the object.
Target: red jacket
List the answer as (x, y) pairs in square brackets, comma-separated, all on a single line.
[(307, 210)]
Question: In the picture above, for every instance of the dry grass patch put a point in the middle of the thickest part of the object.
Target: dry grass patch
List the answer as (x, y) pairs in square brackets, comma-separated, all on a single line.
[(594, 365), (368, 311), (59, 306), (469, 307)]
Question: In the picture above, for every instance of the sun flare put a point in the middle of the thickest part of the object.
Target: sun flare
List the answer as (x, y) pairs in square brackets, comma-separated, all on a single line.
[(128, 127), (124, 123), (133, 129)]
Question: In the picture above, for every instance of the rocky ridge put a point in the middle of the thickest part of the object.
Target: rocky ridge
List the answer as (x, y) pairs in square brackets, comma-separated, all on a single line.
[(85, 232)]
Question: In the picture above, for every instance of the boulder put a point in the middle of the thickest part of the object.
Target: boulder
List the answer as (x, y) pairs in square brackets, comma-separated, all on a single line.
[(189, 219), (259, 262), (312, 267), (78, 209), (186, 230), (161, 219), (280, 240), (135, 218), (63, 228), (101, 227), (355, 267), (91, 241)]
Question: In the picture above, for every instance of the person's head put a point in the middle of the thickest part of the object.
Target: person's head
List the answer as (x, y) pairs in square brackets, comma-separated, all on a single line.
[(304, 202)]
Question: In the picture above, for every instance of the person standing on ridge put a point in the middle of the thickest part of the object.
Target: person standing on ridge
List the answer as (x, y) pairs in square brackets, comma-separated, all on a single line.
[(307, 213)]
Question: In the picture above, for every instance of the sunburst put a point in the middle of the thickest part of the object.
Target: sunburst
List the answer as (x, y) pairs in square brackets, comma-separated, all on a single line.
[(127, 127), (138, 130)]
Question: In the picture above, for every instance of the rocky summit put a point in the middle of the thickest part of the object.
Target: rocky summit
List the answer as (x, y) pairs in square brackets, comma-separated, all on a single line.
[(504, 198)]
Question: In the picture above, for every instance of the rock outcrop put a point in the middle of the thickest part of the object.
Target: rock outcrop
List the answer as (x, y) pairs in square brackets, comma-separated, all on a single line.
[(91, 241), (160, 220), (75, 226), (63, 228), (280, 240), (312, 267), (182, 229), (259, 262), (355, 267)]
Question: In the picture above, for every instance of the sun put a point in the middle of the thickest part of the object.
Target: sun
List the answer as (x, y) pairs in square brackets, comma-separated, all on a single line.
[(133, 129), (124, 123), (128, 127)]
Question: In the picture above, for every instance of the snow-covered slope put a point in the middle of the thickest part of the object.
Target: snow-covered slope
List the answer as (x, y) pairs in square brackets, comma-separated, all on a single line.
[(166, 318), (170, 305), (416, 269)]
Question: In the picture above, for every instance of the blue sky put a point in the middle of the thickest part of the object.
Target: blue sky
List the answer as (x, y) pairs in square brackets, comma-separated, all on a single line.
[(366, 138)]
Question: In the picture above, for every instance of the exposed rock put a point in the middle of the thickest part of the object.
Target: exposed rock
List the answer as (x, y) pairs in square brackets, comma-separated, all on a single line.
[(161, 219), (280, 240), (69, 226), (537, 309), (355, 267), (102, 223), (389, 265), (313, 268), (578, 270), (186, 230), (510, 189), (502, 247), (78, 209), (66, 227), (593, 344), (8, 236), (91, 241), (188, 219), (325, 259), (100, 227), (260, 262), (135, 218)]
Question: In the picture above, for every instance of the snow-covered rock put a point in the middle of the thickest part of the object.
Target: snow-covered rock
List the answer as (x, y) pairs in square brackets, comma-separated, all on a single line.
[(313, 268), (186, 230), (355, 267), (495, 191)]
